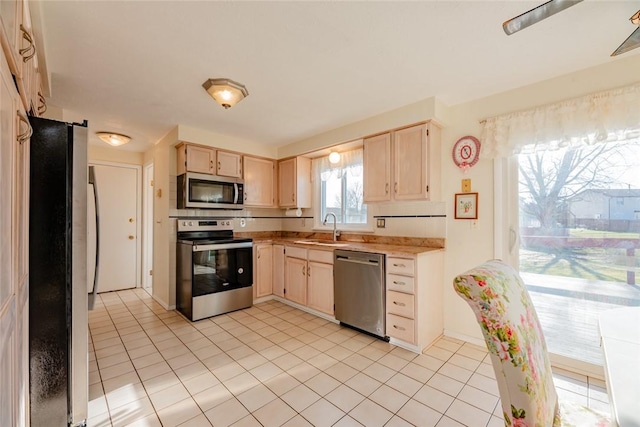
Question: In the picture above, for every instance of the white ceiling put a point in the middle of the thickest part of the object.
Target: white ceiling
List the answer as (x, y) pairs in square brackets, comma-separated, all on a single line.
[(137, 67)]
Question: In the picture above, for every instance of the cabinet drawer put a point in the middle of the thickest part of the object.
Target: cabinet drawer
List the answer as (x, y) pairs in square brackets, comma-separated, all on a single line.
[(401, 328), (321, 256), (400, 304), (403, 266), (295, 252), (400, 283)]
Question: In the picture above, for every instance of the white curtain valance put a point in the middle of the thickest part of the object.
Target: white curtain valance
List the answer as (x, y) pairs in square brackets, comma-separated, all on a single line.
[(612, 115), (324, 169)]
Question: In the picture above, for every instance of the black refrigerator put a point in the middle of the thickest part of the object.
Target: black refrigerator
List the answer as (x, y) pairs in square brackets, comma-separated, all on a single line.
[(58, 313)]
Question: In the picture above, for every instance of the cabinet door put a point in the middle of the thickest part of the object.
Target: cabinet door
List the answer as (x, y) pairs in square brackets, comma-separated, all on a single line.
[(287, 183), (199, 159), (229, 164), (296, 280), (278, 270), (11, 15), (377, 168), (259, 182), (264, 269), (410, 163), (320, 286)]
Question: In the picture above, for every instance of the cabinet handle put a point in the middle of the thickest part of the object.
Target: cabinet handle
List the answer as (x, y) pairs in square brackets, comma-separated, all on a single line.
[(399, 265), (309, 271), (303, 271), (258, 253), (211, 164), (293, 197), (245, 196), (26, 135), (219, 165), (386, 188), (395, 282), (401, 304), (28, 52), (42, 108), (395, 188), (400, 328)]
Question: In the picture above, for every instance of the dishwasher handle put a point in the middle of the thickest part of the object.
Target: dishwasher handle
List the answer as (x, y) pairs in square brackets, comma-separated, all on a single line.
[(357, 260)]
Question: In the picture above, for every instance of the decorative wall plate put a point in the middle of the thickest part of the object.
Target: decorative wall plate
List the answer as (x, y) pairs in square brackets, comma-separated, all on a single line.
[(466, 152)]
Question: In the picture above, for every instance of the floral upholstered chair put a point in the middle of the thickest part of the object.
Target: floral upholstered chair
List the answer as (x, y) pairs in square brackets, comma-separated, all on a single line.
[(512, 332)]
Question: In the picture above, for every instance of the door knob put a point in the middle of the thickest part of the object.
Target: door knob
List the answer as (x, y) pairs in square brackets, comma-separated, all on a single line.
[(131, 237), (130, 219)]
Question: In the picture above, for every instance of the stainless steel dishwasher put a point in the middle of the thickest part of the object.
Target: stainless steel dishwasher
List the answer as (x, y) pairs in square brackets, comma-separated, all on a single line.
[(359, 290)]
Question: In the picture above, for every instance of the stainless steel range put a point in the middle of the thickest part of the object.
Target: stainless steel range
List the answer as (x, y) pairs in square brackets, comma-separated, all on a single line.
[(214, 270)]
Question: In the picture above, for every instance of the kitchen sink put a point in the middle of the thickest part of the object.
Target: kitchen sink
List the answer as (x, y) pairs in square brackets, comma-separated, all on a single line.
[(321, 243)]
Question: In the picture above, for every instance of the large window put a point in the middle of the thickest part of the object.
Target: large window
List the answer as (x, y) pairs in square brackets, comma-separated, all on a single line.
[(580, 239), (340, 189)]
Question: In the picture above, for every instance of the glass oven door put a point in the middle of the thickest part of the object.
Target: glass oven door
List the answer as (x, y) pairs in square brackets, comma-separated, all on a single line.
[(223, 267)]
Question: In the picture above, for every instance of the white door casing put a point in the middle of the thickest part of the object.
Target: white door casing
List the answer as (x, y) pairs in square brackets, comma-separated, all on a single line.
[(118, 187), (147, 219)]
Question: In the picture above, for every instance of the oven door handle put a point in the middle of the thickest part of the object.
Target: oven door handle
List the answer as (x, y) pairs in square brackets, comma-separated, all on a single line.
[(218, 247)]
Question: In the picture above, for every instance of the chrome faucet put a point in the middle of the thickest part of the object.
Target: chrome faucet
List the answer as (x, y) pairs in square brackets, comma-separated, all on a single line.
[(336, 233)]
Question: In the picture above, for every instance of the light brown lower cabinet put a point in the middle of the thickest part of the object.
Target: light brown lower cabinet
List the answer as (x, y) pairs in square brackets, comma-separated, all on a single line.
[(278, 270), (263, 269), (414, 295)]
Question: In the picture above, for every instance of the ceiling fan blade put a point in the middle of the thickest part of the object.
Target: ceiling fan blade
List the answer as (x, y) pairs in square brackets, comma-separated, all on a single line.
[(536, 15), (632, 42)]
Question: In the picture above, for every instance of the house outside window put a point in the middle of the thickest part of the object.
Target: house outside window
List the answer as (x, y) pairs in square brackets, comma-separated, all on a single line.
[(340, 188)]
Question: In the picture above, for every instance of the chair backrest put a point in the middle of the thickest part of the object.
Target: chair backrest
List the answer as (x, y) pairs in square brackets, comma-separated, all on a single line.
[(512, 332)]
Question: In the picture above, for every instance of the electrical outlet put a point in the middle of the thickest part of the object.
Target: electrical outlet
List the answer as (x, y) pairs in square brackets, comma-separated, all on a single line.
[(466, 185), (380, 223)]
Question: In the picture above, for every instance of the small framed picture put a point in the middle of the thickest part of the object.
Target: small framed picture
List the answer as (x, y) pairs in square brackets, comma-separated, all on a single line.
[(466, 206)]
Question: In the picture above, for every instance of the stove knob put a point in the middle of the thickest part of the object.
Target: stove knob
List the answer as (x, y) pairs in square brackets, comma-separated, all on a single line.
[(228, 223), (190, 223), (240, 270), (184, 223)]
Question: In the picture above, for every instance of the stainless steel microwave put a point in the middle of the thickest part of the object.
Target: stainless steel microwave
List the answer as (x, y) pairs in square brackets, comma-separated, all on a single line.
[(201, 191)]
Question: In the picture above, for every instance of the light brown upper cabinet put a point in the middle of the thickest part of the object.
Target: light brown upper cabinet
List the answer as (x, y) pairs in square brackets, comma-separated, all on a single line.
[(259, 182), (294, 183), (377, 168), (229, 164), (11, 13), (20, 52), (411, 156), (195, 158)]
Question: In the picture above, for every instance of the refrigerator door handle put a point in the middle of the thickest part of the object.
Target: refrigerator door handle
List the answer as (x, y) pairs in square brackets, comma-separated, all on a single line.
[(94, 290)]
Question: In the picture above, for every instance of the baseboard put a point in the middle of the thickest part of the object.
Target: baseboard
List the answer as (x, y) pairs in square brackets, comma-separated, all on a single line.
[(466, 338), (303, 308)]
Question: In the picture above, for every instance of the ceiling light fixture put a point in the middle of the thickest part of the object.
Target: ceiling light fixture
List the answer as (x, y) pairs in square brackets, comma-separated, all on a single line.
[(334, 157), (114, 139), (226, 92)]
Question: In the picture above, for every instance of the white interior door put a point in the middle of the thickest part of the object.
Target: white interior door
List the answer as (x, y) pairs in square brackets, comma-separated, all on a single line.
[(118, 191)]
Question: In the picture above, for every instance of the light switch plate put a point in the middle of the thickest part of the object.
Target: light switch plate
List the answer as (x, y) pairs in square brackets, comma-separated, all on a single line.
[(466, 185), (380, 223)]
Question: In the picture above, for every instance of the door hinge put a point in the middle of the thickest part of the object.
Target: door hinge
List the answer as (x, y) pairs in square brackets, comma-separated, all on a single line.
[(150, 272), (151, 183)]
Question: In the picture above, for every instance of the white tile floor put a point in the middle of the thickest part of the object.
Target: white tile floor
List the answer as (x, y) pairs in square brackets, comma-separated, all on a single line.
[(273, 365)]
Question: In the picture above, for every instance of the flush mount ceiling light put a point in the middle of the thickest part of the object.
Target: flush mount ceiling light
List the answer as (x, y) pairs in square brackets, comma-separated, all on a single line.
[(114, 139), (334, 157), (226, 92)]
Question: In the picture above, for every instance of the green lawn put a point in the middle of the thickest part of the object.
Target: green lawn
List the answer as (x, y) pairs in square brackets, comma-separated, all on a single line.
[(608, 264)]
